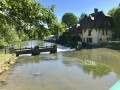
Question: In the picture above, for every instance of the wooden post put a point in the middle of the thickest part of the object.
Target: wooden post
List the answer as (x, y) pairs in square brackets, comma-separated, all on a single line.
[(54, 49), (5, 50), (36, 50)]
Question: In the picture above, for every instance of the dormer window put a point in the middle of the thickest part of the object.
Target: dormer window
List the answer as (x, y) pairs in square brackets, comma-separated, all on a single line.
[(89, 32)]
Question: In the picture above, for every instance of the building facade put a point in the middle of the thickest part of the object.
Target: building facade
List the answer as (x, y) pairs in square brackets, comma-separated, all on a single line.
[(96, 27)]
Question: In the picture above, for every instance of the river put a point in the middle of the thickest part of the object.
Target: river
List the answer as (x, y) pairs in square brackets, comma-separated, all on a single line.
[(86, 69)]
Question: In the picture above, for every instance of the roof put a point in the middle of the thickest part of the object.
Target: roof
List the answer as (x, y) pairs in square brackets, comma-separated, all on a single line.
[(96, 20), (74, 27)]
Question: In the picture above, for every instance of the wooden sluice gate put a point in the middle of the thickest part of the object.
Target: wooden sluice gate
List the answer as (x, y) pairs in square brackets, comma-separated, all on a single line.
[(34, 51)]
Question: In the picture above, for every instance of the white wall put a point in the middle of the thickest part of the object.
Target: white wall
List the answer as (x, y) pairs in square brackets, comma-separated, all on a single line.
[(96, 35), (104, 37)]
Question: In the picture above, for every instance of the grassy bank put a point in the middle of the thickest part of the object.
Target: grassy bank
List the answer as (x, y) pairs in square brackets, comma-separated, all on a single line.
[(5, 61)]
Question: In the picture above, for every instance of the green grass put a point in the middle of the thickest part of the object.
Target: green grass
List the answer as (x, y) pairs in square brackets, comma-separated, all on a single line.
[(6, 60), (4, 57)]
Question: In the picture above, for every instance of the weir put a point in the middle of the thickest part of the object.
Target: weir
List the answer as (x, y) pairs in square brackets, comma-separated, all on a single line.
[(34, 51)]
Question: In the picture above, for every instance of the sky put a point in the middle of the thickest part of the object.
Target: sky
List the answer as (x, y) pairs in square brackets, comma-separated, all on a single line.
[(80, 6)]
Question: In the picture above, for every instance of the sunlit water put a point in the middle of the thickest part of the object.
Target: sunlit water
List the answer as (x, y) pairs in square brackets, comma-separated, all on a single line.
[(62, 70)]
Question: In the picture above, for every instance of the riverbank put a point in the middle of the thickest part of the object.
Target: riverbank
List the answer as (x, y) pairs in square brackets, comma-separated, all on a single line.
[(6, 60), (114, 45)]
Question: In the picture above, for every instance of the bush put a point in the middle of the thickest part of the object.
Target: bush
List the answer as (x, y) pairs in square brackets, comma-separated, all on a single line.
[(114, 45)]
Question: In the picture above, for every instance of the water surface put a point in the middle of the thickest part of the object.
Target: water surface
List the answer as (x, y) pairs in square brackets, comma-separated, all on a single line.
[(63, 70)]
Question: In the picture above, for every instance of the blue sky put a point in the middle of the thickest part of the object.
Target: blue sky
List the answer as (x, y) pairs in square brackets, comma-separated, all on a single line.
[(80, 6)]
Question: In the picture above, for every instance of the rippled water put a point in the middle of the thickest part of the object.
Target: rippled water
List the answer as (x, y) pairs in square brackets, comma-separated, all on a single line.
[(87, 69)]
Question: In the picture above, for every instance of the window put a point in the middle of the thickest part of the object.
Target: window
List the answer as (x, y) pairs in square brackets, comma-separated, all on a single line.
[(89, 40), (100, 39), (106, 32), (103, 32), (89, 32)]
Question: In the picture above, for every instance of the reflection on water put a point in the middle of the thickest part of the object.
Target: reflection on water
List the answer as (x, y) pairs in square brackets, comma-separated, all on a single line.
[(101, 55), (2, 84), (71, 70)]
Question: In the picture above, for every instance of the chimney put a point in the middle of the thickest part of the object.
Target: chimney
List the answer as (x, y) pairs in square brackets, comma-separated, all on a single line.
[(95, 10)]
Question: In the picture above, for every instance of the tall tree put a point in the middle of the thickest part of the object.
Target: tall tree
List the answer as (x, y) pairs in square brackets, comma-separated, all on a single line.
[(115, 13), (28, 18), (69, 19), (82, 16)]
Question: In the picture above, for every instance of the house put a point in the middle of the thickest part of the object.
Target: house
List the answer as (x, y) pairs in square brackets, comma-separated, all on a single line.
[(71, 36), (96, 27), (74, 30)]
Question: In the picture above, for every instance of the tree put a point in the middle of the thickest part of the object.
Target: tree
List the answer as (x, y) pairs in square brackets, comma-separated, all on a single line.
[(29, 14), (115, 13), (82, 16), (58, 28), (27, 19), (69, 19)]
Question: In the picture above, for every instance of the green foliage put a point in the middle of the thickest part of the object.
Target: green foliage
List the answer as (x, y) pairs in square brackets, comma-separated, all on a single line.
[(82, 16), (48, 13), (57, 28), (114, 45), (22, 35), (2, 41), (8, 35), (98, 69), (115, 13), (27, 19), (69, 19)]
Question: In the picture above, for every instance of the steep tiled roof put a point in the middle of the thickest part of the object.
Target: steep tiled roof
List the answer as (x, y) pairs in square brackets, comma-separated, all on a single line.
[(96, 20)]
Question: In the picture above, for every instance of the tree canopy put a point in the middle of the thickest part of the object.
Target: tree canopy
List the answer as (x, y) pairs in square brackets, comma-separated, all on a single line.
[(82, 16), (115, 13), (69, 19), (27, 19)]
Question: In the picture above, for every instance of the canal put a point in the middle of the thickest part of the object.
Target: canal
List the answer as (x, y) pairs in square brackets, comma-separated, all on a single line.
[(86, 69)]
